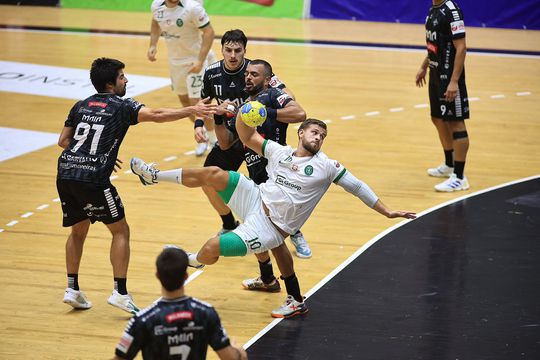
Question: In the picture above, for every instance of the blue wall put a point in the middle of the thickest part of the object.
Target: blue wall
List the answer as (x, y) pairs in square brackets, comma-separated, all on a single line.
[(518, 14)]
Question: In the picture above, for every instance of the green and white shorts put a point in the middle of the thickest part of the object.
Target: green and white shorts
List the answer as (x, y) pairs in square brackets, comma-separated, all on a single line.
[(257, 233)]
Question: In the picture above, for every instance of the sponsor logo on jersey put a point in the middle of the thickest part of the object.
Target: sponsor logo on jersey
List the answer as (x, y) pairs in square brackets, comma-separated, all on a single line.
[(179, 22), (212, 76), (232, 84), (431, 35), (281, 180), (124, 343), (275, 82), (91, 118), (308, 170), (179, 315), (337, 164), (432, 48), (179, 339), (282, 98), (163, 330), (457, 27), (97, 104)]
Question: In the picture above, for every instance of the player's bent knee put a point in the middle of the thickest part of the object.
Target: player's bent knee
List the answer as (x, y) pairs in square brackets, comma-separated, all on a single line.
[(460, 135), (231, 244)]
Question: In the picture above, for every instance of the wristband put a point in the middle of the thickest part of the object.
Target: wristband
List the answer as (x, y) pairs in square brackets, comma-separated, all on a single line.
[(271, 114), (199, 123), (218, 120)]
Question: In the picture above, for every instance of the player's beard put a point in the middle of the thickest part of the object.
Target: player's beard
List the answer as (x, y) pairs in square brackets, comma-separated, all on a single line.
[(255, 89), (313, 149), (122, 92)]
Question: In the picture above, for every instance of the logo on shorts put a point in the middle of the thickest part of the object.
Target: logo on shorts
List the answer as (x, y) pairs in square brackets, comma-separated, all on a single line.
[(308, 170), (179, 23)]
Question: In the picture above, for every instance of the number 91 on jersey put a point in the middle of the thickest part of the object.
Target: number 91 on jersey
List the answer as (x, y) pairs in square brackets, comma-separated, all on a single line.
[(253, 113)]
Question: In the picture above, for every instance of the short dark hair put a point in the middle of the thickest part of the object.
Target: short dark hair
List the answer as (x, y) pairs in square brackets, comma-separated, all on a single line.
[(234, 36), (171, 267), (267, 67), (310, 121), (104, 71)]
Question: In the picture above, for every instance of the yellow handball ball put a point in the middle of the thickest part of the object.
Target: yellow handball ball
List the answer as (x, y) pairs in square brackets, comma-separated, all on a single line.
[(253, 113)]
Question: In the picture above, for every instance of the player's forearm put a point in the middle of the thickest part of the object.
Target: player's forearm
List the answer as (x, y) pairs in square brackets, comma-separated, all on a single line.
[(249, 136), (292, 113), (425, 63), (207, 40), (164, 114), (225, 136), (154, 33), (459, 62)]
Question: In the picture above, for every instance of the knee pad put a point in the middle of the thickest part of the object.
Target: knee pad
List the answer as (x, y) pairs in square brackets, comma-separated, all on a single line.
[(460, 135)]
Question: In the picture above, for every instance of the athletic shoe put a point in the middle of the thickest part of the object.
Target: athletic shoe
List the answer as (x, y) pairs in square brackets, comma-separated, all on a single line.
[(77, 299), (302, 248), (441, 171), (124, 302), (193, 263), (258, 285), (290, 308), (147, 173), (201, 149), (453, 184), (224, 231)]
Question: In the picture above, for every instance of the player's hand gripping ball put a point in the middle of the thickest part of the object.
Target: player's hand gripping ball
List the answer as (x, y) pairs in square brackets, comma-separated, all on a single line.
[(253, 113)]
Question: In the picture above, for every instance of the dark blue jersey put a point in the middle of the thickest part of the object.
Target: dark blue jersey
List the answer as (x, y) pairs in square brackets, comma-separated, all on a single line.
[(271, 129), (444, 24), (178, 329), (101, 122)]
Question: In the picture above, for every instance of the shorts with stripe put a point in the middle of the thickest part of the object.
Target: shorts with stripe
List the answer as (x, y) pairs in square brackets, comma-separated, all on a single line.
[(457, 110), (257, 232), (82, 200)]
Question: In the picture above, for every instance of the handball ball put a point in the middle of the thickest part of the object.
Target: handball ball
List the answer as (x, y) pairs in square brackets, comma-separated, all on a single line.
[(253, 113)]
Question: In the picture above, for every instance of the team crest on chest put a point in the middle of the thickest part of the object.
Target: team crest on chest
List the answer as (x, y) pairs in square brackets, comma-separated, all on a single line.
[(179, 22), (308, 170)]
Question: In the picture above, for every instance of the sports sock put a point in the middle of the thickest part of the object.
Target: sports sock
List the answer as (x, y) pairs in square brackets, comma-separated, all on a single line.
[(211, 136), (459, 167), (449, 157), (267, 272), (73, 281), (192, 259), (120, 285), (229, 223), (174, 176), (293, 287)]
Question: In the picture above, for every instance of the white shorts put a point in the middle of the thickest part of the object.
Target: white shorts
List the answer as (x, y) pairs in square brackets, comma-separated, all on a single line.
[(257, 231), (183, 82)]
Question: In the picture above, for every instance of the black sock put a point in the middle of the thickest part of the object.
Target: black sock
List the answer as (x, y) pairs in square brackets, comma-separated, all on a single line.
[(267, 272), (459, 167), (293, 287), (73, 281), (120, 285), (449, 158), (229, 222)]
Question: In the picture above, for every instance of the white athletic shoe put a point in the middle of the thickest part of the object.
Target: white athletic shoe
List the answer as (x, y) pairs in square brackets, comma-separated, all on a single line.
[(453, 184), (201, 149), (77, 299), (290, 308), (302, 248), (124, 302), (147, 173), (441, 171), (192, 262)]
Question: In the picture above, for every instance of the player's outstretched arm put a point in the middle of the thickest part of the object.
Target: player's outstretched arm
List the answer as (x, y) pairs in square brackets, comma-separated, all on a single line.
[(249, 136), (291, 113), (382, 209), (201, 109), (232, 352)]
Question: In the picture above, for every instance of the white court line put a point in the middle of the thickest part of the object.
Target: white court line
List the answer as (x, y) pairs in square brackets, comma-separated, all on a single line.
[(474, 99), (114, 177), (56, 200), (358, 252), (193, 276), (420, 106), (498, 96), (372, 113), (12, 223), (398, 109), (170, 158), (128, 172), (191, 152), (327, 121), (524, 93), (41, 207), (27, 215), (348, 117)]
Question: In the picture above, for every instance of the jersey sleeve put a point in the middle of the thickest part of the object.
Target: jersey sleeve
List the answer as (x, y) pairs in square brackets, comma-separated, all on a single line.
[(454, 16), (199, 17), (71, 121), (132, 339), (276, 83), (335, 170), (130, 108), (279, 98), (217, 336)]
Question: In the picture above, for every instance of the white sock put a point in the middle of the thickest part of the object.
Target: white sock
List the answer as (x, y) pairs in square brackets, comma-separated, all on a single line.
[(174, 176), (193, 260), (211, 136)]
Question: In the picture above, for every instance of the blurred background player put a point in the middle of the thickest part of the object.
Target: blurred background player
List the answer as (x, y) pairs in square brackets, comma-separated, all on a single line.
[(225, 82), (91, 137), (176, 326), (446, 47), (186, 27)]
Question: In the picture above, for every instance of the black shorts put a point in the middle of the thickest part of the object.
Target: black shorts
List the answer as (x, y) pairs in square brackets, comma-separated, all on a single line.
[(230, 159), (456, 110), (82, 200)]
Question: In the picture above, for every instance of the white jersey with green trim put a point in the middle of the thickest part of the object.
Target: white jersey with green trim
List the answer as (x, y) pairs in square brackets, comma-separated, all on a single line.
[(295, 185), (180, 26)]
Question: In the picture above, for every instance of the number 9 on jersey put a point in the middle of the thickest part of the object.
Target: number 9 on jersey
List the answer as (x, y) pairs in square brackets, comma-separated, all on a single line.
[(253, 113)]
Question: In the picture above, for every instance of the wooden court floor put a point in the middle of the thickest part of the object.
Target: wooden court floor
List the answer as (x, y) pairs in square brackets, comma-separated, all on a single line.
[(377, 129)]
